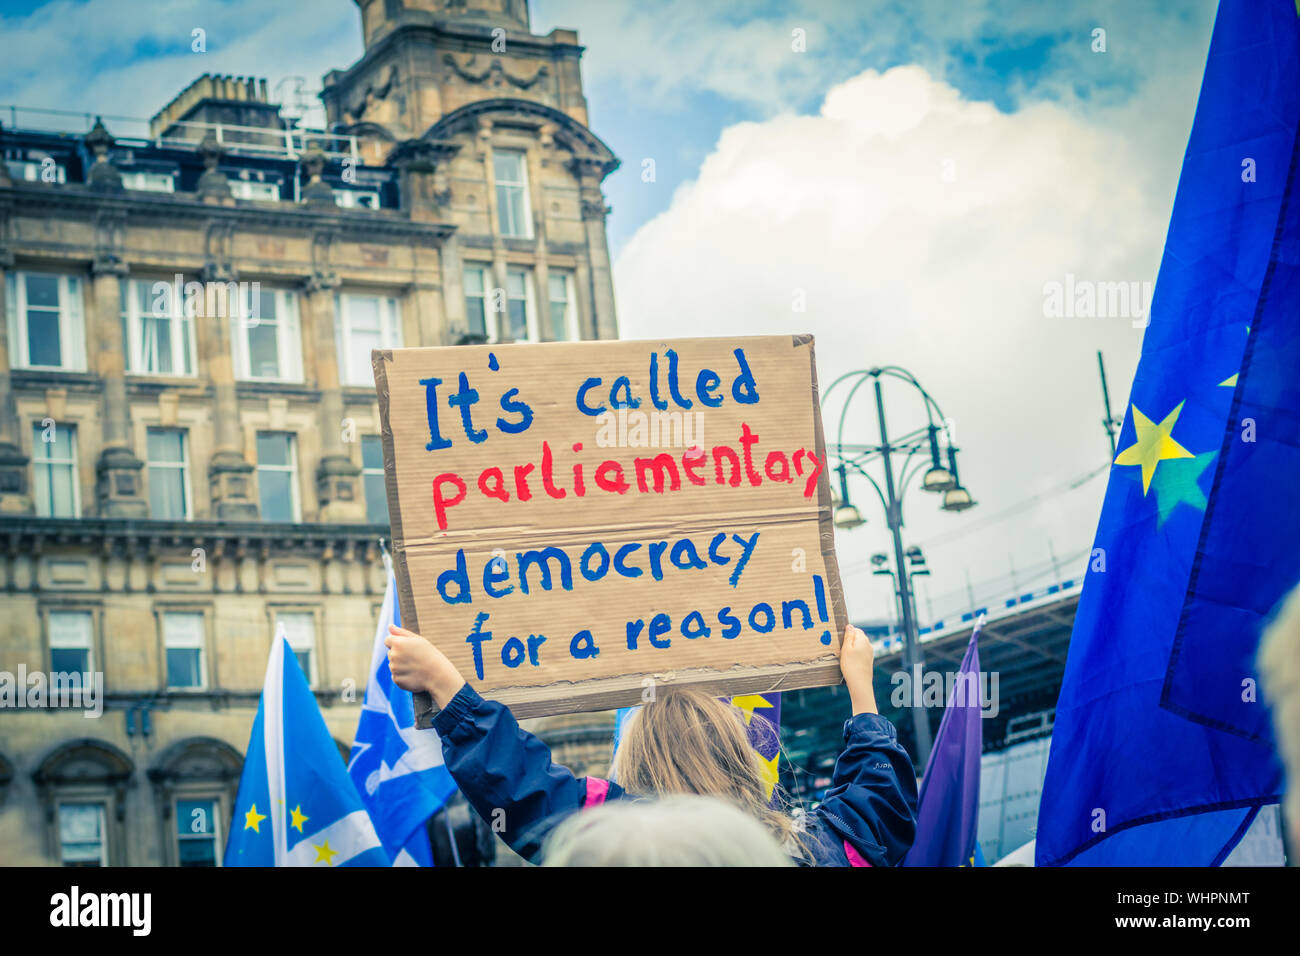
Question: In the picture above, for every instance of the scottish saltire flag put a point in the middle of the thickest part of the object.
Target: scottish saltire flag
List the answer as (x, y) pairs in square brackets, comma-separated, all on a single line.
[(1162, 751), (398, 770), (296, 804), (947, 814), (762, 719)]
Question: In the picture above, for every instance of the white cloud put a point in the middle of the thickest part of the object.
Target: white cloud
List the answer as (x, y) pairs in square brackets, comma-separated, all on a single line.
[(944, 278)]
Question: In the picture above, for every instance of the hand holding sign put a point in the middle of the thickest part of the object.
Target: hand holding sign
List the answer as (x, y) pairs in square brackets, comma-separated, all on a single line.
[(857, 661), (570, 520), (417, 665)]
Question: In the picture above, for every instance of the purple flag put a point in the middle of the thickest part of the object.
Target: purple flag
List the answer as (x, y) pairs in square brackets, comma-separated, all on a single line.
[(947, 817)]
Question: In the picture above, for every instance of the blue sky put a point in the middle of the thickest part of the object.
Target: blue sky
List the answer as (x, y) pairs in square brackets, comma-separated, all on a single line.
[(663, 80), (816, 171)]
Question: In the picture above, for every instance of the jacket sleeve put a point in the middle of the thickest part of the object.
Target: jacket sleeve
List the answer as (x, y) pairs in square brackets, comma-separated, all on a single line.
[(505, 772), (871, 803)]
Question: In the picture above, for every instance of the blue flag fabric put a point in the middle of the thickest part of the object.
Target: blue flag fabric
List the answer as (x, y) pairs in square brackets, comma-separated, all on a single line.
[(398, 770), (296, 805), (947, 814), (1162, 752)]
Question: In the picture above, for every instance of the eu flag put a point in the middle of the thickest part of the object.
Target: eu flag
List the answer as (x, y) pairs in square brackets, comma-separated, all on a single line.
[(296, 804), (1162, 752)]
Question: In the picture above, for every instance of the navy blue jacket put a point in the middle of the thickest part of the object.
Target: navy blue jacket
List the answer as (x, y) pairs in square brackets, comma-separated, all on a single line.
[(868, 817)]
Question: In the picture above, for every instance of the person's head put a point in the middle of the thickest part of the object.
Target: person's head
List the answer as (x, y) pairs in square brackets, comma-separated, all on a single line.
[(674, 831), (688, 742), (1279, 668)]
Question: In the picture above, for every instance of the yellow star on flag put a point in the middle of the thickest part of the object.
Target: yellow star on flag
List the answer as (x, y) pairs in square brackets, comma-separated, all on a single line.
[(325, 853), (748, 703), (769, 772), (1154, 444), (252, 818), (299, 818)]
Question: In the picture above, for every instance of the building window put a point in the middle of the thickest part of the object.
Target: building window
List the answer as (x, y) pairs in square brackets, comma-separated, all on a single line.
[(150, 182), (48, 328), (81, 835), (169, 480), (372, 476), (356, 198), (44, 170), (362, 323), (484, 304), (54, 465), (267, 343), (246, 189), (183, 640), (277, 477), (476, 300), (300, 631), (196, 832), (519, 304), (71, 643), (563, 326), (510, 172), (156, 332)]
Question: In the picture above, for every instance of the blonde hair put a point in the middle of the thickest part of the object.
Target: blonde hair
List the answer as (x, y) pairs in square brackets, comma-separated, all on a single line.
[(1279, 669), (675, 831), (687, 742)]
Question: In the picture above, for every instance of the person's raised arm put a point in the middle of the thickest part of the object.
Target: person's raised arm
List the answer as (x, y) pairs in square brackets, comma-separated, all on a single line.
[(505, 772), (871, 803)]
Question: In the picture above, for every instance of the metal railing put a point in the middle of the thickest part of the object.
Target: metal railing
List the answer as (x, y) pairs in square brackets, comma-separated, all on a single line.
[(288, 143), (991, 610)]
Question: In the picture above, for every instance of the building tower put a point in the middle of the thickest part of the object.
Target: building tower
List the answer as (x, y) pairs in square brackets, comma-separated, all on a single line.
[(178, 480)]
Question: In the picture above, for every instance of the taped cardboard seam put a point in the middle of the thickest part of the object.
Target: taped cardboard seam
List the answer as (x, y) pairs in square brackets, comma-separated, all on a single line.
[(602, 692)]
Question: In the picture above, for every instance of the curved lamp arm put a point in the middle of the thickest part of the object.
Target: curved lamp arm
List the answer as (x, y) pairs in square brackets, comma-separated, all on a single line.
[(867, 475)]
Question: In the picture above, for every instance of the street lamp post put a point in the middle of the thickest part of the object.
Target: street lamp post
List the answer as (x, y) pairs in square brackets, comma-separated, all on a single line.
[(937, 478)]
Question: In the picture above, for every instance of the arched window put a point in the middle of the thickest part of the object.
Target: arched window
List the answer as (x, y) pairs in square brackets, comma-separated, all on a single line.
[(195, 782), (82, 785)]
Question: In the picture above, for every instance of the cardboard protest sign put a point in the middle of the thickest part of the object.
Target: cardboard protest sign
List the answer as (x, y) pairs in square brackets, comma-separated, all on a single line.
[(574, 523)]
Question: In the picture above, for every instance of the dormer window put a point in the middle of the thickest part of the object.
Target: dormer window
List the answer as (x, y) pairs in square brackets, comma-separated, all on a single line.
[(150, 182), (44, 170), (247, 189), (356, 198)]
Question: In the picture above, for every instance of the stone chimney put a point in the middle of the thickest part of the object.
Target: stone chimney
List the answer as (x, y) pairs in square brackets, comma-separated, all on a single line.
[(228, 100)]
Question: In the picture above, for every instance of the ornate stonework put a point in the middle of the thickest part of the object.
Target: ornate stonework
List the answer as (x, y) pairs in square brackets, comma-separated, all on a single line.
[(395, 212)]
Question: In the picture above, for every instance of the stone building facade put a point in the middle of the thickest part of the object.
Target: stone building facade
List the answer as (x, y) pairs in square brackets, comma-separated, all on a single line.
[(188, 424)]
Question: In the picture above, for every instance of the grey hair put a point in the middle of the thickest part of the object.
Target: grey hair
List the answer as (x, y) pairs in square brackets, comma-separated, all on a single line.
[(1279, 669), (685, 830)]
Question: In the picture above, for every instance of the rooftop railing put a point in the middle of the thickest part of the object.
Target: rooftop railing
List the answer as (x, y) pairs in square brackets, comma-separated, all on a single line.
[(287, 143)]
